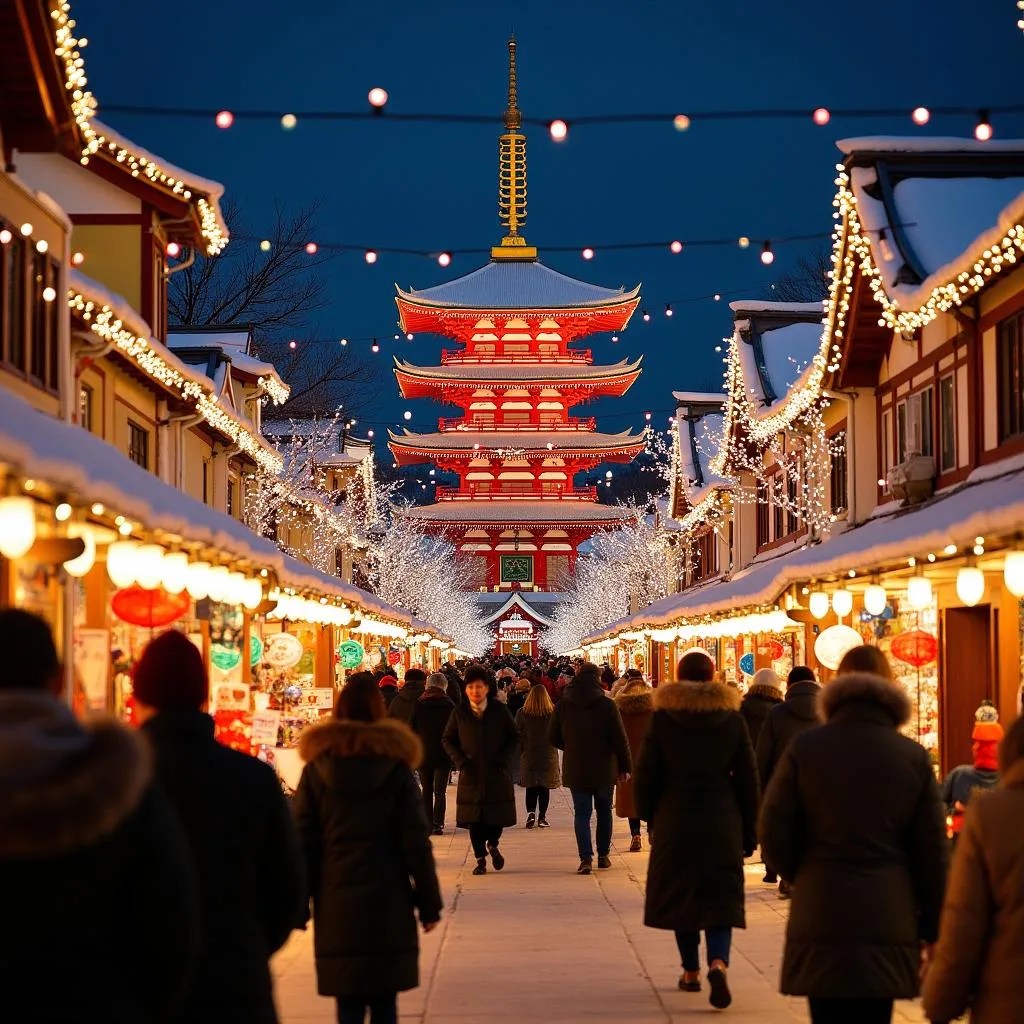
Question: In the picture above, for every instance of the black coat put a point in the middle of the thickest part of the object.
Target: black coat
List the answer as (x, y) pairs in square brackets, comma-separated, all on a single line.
[(756, 706), (796, 714), (482, 749), (587, 726), (404, 703), (429, 718), (389, 692), (538, 759), (233, 813), (852, 817), (516, 700), (695, 782), (100, 901), (368, 852)]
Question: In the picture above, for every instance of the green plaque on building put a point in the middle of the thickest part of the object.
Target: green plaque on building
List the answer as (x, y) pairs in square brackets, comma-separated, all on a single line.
[(517, 568)]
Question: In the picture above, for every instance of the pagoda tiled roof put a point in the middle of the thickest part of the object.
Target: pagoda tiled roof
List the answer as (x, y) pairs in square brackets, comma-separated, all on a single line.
[(518, 512), (517, 284), (529, 440), (563, 372)]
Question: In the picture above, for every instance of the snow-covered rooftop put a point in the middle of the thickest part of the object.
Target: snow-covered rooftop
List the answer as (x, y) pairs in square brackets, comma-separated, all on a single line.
[(699, 397), (234, 345), (530, 440), (761, 306), (926, 144), (562, 372), (516, 511)]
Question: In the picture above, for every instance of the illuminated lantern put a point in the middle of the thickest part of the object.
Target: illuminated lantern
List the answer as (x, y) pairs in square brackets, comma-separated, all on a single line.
[(121, 562), (833, 643), (1013, 573), (919, 592), (81, 565), (875, 599), (970, 585), (17, 525), (225, 656), (747, 664), (842, 602), (915, 647), (150, 608), (818, 604), (351, 653), (149, 566), (174, 572)]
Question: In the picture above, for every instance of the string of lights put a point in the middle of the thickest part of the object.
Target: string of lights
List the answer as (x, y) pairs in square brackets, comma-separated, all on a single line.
[(559, 127)]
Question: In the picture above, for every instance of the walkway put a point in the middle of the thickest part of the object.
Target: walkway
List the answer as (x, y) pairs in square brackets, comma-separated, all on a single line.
[(537, 942)]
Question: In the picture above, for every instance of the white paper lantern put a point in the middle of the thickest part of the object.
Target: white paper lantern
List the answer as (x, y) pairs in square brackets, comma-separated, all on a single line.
[(875, 599), (919, 592), (833, 643), (235, 588), (121, 562), (252, 593), (175, 573), (17, 525), (81, 565), (818, 603), (970, 584), (198, 582), (1013, 573), (149, 566), (217, 583), (842, 602)]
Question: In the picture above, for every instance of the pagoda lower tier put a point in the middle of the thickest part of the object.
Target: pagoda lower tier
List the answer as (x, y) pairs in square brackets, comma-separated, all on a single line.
[(514, 543)]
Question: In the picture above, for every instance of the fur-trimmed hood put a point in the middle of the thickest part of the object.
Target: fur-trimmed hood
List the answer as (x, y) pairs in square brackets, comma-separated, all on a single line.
[(859, 687), (637, 703), (765, 691), (63, 785), (341, 738), (698, 698)]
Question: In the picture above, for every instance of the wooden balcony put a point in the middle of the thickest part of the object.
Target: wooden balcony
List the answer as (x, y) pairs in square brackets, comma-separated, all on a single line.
[(583, 355), (571, 425), (470, 494)]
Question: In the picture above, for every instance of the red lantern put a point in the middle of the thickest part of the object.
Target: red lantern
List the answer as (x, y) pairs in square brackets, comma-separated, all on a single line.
[(915, 647), (149, 608)]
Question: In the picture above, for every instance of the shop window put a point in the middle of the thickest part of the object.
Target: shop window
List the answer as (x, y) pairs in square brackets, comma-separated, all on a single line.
[(886, 443), (792, 503), (778, 511), (516, 486), (705, 556), (85, 407), (232, 508), (12, 299), (914, 425), (763, 510), (837, 474), (138, 444), (1010, 349), (947, 424)]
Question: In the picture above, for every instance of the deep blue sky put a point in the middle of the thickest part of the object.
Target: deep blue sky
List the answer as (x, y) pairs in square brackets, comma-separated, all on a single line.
[(435, 187)]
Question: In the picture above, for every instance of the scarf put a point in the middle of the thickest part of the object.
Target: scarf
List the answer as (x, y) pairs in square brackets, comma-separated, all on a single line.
[(478, 709)]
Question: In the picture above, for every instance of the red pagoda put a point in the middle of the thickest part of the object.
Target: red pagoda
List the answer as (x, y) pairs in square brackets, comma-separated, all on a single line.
[(515, 516)]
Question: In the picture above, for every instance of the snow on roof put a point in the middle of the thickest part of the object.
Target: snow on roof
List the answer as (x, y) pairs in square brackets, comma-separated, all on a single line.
[(568, 372), (517, 511), (235, 340), (78, 463), (516, 600), (761, 306), (926, 144), (991, 507), (233, 345), (517, 284), (699, 397), (788, 351), (529, 440)]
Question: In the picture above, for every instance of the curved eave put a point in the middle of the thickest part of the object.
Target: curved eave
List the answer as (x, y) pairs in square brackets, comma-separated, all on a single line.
[(513, 520), (414, 298), (412, 455)]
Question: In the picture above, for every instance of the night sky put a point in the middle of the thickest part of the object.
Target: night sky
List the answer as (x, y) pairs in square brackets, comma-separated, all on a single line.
[(435, 188)]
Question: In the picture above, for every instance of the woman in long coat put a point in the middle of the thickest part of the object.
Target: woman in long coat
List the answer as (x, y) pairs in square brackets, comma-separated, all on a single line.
[(538, 759), (481, 739), (366, 838), (852, 818), (635, 702), (696, 783)]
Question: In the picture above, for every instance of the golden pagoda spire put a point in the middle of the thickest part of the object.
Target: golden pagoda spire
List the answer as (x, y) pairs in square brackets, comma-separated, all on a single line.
[(512, 174)]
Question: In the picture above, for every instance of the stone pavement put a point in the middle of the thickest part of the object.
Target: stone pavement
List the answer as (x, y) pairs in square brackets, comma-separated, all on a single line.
[(538, 942)]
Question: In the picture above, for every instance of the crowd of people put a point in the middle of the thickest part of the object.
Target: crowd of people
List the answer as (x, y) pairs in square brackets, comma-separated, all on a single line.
[(180, 861)]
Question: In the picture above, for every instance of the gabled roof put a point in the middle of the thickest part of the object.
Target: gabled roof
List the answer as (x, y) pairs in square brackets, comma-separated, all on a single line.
[(517, 602), (517, 284), (193, 345), (700, 422)]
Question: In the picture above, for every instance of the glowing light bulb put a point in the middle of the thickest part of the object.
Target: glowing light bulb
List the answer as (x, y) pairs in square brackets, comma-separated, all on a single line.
[(406, 415), (375, 347), (680, 122), (121, 562), (444, 259), (377, 97), (647, 416), (174, 575), (718, 297), (822, 116), (668, 309), (224, 119), (49, 294), (875, 599), (615, 337), (26, 229), (265, 245), (970, 585), (293, 345), (676, 246), (921, 115), (558, 129), (343, 342), (983, 129), (77, 258), (646, 316), (17, 525), (588, 253), (370, 256), (42, 245), (767, 256), (172, 249), (5, 236), (919, 592), (743, 242), (62, 513), (289, 121), (83, 564), (311, 248)]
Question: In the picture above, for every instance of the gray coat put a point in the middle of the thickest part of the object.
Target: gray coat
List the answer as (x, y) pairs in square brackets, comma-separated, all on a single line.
[(538, 759)]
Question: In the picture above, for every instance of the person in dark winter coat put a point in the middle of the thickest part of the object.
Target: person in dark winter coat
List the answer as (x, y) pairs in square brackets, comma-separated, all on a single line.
[(100, 897), (404, 704), (481, 739), (370, 863), (538, 759), (982, 774), (697, 785), (454, 686), (852, 818), (388, 689), (587, 726), (635, 702), (764, 694), (233, 812), (977, 962), (517, 696), (429, 719)]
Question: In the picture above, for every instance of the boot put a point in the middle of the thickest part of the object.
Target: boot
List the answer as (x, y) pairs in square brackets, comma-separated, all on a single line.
[(496, 858), (635, 846), (720, 996), (481, 866), (586, 866), (531, 820)]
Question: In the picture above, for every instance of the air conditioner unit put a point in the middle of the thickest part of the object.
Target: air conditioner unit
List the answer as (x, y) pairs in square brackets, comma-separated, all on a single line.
[(913, 480)]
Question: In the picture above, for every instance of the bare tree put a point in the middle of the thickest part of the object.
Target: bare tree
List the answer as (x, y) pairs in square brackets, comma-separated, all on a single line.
[(808, 281)]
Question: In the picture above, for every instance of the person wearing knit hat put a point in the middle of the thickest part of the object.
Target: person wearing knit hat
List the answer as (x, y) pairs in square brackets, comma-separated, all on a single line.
[(233, 813), (764, 694), (388, 689), (964, 780)]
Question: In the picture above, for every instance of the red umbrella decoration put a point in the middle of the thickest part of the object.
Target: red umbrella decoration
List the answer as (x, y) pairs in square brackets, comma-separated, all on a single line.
[(915, 647), (149, 608)]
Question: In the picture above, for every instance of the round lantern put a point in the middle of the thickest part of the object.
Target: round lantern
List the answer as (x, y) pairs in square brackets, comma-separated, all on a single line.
[(1013, 573), (919, 592), (875, 599), (225, 656), (198, 580), (17, 525), (255, 649), (174, 572), (842, 602), (970, 585), (915, 647), (149, 608), (149, 566), (833, 643), (818, 604), (121, 562)]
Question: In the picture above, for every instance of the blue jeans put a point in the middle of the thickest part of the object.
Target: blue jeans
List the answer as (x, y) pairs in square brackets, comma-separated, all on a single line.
[(382, 1009), (719, 941), (584, 803)]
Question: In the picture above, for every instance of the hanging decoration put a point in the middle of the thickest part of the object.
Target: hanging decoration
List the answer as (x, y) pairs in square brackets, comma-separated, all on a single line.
[(283, 650), (915, 647), (351, 653), (149, 608), (833, 643)]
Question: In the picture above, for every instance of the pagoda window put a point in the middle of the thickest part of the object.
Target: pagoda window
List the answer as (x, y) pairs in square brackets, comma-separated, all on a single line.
[(547, 349), (482, 419), (480, 349), (516, 417), (556, 533), (558, 571), (552, 487), (550, 419), (482, 487)]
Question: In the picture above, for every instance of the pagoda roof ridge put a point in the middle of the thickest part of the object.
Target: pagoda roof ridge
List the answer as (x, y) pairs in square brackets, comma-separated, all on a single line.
[(539, 440), (510, 284), (566, 372), (518, 511)]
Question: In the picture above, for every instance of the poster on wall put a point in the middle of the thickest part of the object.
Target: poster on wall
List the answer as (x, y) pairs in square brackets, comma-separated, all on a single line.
[(92, 666)]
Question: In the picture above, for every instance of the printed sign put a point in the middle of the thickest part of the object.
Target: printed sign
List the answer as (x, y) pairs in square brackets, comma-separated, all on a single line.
[(747, 663), (351, 653), (264, 727), (517, 568), (282, 650)]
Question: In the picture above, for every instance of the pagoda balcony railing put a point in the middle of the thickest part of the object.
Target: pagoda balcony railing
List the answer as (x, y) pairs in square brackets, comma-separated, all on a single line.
[(573, 424), (469, 494), (583, 355)]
